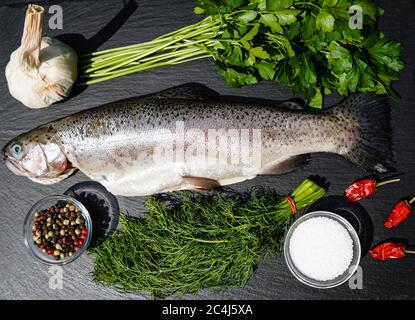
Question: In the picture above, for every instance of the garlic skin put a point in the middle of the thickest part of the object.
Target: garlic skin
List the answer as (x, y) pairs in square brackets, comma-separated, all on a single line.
[(50, 82), (41, 71)]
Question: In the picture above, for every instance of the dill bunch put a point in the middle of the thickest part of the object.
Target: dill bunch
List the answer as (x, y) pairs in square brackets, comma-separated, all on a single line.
[(197, 242)]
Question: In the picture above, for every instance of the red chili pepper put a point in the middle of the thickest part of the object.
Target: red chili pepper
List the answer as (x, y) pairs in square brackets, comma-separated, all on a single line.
[(364, 188), (399, 213), (389, 250)]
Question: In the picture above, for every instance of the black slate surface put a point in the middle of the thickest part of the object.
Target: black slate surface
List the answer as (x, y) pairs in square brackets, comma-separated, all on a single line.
[(21, 277)]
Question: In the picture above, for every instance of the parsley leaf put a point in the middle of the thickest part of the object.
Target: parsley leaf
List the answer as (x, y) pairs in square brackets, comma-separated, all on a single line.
[(270, 20), (325, 21), (266, 70), (386, 52), (279, 4), (367, 7)]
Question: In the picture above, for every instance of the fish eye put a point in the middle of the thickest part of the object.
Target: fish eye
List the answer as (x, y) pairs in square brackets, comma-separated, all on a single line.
[(16, 149)]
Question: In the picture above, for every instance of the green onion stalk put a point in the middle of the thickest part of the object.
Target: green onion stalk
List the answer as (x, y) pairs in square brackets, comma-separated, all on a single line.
[(194, 241)]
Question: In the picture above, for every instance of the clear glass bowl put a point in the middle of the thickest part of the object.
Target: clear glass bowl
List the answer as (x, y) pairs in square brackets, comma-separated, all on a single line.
[(46, 203), (341, 278)]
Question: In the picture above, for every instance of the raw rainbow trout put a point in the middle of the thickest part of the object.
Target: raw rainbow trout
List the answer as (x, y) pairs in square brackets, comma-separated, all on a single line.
[(189, 138)]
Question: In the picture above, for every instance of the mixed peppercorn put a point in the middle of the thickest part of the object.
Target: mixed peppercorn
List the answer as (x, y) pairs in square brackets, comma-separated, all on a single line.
[(59, 231)]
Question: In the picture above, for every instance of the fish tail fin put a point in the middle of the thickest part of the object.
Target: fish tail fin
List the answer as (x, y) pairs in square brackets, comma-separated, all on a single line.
[(373, 150)]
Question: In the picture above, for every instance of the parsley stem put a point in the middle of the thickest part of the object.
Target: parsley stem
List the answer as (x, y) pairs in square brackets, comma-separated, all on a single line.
[(308, 4), (144, 66), (183, 45)]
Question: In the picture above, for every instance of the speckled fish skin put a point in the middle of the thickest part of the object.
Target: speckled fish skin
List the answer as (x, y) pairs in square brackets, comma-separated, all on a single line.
[(114, 144)]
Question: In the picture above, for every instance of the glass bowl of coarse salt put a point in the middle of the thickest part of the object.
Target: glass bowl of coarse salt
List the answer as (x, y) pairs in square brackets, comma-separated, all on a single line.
[(322, 249)]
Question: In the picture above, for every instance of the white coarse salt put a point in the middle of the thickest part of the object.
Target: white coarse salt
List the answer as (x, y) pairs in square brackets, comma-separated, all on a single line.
[(321, 248)]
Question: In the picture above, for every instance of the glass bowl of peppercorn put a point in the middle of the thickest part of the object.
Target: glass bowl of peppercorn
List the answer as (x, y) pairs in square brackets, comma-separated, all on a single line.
[(57, 230)]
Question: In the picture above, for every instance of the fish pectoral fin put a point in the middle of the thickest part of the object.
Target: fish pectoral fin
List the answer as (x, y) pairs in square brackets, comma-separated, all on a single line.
[(287, 165), (52, 180), (200, 183), (190, 91)]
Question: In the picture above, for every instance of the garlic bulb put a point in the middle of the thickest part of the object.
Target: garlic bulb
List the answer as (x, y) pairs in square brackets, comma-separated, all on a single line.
[(42, 70)]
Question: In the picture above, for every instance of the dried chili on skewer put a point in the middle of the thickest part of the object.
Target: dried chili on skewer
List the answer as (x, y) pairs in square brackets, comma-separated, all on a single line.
[(389, 250), (400, 213), (364, 188)]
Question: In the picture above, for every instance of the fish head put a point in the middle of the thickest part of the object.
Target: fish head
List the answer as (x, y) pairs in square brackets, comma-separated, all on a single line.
[(35, 155)]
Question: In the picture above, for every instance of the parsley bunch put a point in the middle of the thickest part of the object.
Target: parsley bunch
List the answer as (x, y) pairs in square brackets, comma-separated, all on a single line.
[(307, 45)]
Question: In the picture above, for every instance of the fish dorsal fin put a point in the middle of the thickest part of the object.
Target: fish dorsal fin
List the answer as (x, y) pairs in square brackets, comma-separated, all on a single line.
[(190, 91), (292, 105)]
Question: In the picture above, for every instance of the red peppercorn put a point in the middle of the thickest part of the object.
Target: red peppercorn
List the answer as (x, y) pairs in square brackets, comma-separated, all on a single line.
[(49, 251), (84, 231), (83, 236), (399, 213), (364, 188)]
